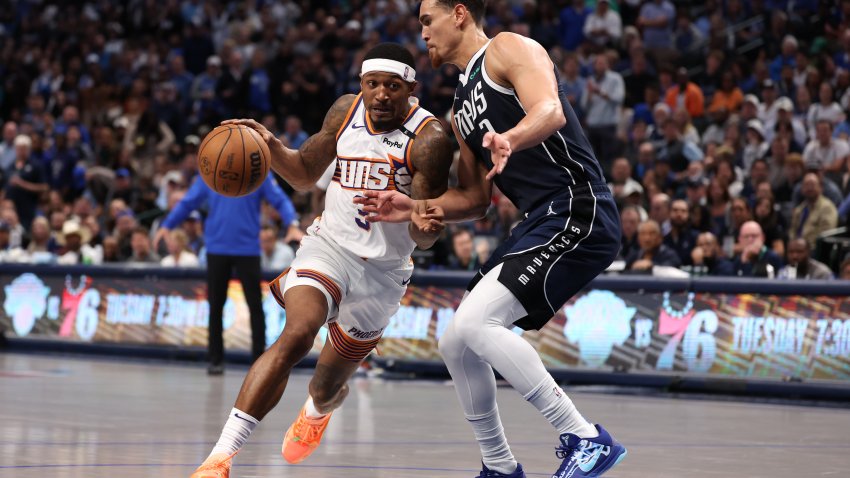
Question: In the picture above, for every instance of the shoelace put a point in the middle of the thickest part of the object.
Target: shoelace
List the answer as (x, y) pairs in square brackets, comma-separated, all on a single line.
[(585, 451), (310, 434)]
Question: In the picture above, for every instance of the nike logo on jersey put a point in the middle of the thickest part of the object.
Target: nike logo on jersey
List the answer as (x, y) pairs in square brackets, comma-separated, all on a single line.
[(242, 418), (405, 281), (357, 126)]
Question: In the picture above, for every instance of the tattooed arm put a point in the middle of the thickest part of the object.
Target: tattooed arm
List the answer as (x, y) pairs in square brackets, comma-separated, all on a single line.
[(301, 168), (432, 158)]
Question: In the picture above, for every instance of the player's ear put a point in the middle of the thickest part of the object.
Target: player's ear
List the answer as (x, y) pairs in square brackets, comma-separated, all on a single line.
[(412, 86), (460, 12)]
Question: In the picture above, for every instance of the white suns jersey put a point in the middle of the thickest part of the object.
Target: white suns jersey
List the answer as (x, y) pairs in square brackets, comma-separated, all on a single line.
[(370, 160)]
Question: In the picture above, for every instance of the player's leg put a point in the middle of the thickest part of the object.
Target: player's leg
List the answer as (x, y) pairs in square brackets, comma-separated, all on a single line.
[(327, 390), (218, 275), (307, 310), (249, 273)]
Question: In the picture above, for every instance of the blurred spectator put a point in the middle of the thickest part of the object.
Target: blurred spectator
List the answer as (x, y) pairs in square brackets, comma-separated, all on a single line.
[(708, 255), (728, 97), (622, 185), (801, 266), (826, 109), (759, 173), (792, 175), (42, 243), (824, 151), (111, 252), (573, 17), (686, 127), (659, 211), (75, 245), (652, 250), (785, 119), (755, 259), (676, 150), (294, 134), (815, 215), (142, 252), (603, 96), (464, 254), (682, 237), (786, 58), (572, 83), (7, 147), (26, 181), (697, 197), (772, 224), (629, 219), (603, 26), (179, 254), (275, 254), (656, 20), (685, 94)]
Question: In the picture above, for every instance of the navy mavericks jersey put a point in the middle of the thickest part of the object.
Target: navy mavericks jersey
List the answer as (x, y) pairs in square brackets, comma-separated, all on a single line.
[(534, 175)]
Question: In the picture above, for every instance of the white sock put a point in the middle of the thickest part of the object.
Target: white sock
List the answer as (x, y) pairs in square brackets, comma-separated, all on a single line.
[(554, 404), (490, 434), (235, 433), (310, 409)]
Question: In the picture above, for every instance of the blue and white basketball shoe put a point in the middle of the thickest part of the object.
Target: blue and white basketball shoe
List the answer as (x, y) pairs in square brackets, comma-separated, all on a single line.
[(487, 473), (588, 457)]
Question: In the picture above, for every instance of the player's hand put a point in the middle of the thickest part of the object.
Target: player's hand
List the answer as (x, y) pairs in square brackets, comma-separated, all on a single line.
[(267, 135), (385, 206), (428, 219), (161, 233), (500, 151)]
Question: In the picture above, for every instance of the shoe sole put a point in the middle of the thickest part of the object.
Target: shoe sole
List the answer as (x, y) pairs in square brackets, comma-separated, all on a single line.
[(614, 463)]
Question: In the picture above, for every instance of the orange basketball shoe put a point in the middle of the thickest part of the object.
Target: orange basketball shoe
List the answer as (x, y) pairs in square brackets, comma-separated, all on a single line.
[(215, 466), (303, 437)]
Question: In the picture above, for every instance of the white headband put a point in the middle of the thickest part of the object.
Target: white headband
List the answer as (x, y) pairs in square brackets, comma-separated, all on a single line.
[(406, 72)]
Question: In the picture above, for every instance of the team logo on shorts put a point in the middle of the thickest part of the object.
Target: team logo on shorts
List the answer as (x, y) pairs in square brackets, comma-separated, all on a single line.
[(356, 333)]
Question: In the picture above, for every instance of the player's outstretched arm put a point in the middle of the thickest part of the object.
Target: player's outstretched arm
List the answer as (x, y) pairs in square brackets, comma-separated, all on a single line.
[(517, 62), (301, 168), (431, 156)]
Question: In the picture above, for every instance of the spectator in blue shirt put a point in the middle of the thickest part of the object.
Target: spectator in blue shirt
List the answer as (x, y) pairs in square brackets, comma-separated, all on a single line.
[(232, 238)]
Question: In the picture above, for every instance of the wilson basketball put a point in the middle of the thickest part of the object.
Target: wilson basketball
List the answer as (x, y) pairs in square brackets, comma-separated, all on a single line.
[(233, 160)]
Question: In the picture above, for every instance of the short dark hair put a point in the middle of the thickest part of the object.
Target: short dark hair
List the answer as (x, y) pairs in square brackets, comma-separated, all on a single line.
[(391, 51), (476, 8)]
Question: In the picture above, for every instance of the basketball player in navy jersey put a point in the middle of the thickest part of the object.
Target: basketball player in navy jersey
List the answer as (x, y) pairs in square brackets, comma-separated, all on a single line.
[(515, 128)]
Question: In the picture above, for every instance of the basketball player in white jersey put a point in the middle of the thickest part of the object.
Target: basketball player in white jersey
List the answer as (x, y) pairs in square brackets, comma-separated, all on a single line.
[(349, 274)]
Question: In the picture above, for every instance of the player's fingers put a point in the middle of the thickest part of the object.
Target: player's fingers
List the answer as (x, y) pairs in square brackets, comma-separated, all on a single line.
[(488, 138), (492, 173)]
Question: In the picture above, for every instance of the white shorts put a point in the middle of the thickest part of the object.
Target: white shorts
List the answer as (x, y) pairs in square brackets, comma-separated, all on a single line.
[(362, 294)]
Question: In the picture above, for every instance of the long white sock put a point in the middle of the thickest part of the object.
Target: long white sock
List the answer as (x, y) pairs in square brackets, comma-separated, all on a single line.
[(235, 433), (490, 434), (557, 407), (310, 409)]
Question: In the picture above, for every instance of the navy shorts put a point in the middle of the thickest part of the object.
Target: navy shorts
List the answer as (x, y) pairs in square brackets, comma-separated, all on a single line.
[(556, 251)]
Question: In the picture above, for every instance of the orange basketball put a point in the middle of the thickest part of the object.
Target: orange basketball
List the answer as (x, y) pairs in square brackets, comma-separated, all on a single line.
[(233, 160)]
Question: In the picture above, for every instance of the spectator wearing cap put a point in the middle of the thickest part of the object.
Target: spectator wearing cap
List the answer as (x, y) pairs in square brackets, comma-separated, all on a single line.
[(685, 94), (801, 265), (652, 250), (603, 27), (603, 96), (708, 255), (824, 151), (826, 109), (728, 97), (756, 146), (815, 214), (75, 245), (27, 181), (785, 118), (755, 258), (232, 246)]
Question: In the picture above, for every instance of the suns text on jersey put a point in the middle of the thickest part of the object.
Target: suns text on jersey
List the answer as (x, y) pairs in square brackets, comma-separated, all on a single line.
[(364, 174)]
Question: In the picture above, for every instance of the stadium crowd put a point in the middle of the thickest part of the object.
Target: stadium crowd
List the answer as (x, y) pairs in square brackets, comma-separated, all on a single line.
[(721, 125)]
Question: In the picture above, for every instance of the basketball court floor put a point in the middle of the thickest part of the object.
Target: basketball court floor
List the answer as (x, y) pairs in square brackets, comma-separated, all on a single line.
[(69, 417)]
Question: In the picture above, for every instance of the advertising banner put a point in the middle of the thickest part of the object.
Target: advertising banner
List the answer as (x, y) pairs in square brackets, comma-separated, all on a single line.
[(741, 335)]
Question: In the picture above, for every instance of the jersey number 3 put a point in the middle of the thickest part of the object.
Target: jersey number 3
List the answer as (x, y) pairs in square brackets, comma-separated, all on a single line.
[(362, 223)]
